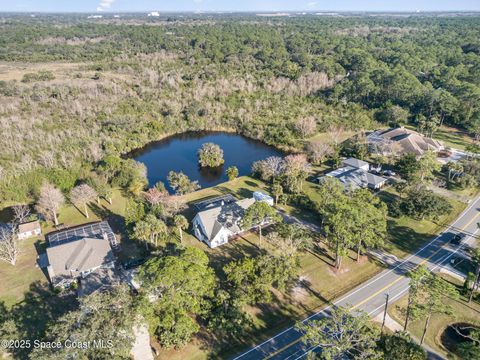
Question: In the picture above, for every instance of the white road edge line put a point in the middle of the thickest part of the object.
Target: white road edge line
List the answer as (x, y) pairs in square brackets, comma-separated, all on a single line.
[(439, 264), (368, 284)]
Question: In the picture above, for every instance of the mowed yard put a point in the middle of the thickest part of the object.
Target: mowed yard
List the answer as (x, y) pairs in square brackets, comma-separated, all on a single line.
[(463, 312), (405, 234), (319, 284), (16, 281)]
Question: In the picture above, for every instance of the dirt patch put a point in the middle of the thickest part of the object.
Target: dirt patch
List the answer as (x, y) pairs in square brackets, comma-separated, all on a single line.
[(299, 293), (335, 272)]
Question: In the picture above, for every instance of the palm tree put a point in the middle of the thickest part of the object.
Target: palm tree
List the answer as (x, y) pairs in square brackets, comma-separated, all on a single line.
[(157, 227), (143, 232), (181, 223), (277, 191), (136, 187)]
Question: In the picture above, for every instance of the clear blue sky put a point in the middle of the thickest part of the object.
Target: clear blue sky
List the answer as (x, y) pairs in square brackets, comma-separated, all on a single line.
[(236, 5)]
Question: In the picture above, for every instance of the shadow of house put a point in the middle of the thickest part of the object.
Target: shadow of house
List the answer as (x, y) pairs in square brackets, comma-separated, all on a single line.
[(129, 248)]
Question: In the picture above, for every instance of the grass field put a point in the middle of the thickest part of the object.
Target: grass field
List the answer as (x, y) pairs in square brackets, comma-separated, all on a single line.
[(406, 234), (315, 290), (319, 285), (451, 137), (462, 312), (15, 281)]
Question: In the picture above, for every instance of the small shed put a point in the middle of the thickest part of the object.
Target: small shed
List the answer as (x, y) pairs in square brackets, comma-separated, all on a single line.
[(29, 229), (260, 196)]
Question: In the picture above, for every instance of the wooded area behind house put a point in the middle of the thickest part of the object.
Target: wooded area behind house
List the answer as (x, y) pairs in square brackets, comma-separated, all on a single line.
[(83, 89)]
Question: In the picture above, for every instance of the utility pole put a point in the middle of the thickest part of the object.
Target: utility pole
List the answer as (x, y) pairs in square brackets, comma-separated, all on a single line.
[(474, 287), (387, 296)]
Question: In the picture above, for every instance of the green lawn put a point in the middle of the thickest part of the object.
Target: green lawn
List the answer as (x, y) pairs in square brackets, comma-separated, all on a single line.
[(241, 187), (320, 286), (462, 312), (325, 137), (451, 137), (406, 234), (15, 281), (24, 288), (26, 294)]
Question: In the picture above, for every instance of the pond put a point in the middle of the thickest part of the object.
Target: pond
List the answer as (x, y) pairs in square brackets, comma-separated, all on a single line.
[(179, 153), (451, 337)]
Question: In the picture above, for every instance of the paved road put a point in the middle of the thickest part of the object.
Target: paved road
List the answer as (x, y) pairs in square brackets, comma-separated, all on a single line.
[(370, 296)]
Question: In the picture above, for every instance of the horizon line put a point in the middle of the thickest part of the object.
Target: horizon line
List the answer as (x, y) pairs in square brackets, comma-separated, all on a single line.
[(309, 11)]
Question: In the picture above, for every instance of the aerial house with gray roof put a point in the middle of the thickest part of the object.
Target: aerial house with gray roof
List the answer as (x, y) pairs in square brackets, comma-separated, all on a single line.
[(219, 219), (77, 252), (354, 175), (400, 141)]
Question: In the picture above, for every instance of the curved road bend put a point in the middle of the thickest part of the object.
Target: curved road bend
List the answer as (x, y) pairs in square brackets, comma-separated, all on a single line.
[(370, 296)]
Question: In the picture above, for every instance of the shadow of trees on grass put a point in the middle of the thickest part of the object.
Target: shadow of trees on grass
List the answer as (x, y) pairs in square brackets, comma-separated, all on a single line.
[(40, 307)]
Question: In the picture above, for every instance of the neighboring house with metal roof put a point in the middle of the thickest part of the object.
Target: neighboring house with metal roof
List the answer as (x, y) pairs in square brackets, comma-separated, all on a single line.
[(29, 229), (401, 141), (355, 175), (77, 252), (217, 225)]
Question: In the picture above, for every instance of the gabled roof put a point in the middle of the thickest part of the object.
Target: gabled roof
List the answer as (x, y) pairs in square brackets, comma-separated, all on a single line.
[(71, 258), (356, 178), (356, 163), (29, 226), (226, 216)]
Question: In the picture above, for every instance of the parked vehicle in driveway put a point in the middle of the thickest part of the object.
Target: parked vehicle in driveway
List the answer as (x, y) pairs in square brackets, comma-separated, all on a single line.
[(389, 173)]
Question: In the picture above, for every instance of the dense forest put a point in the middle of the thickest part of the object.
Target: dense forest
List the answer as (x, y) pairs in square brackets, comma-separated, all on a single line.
[(131, 81)]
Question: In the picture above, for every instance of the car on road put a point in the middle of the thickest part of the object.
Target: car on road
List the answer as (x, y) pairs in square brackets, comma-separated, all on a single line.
[(458, 238), (462, 264)]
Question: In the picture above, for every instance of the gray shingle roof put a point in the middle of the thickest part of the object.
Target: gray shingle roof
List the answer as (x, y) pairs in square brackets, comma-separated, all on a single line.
[(408, 141), (79, 249), (356, 178), (356, 163), (225, 216), (72, 258)]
